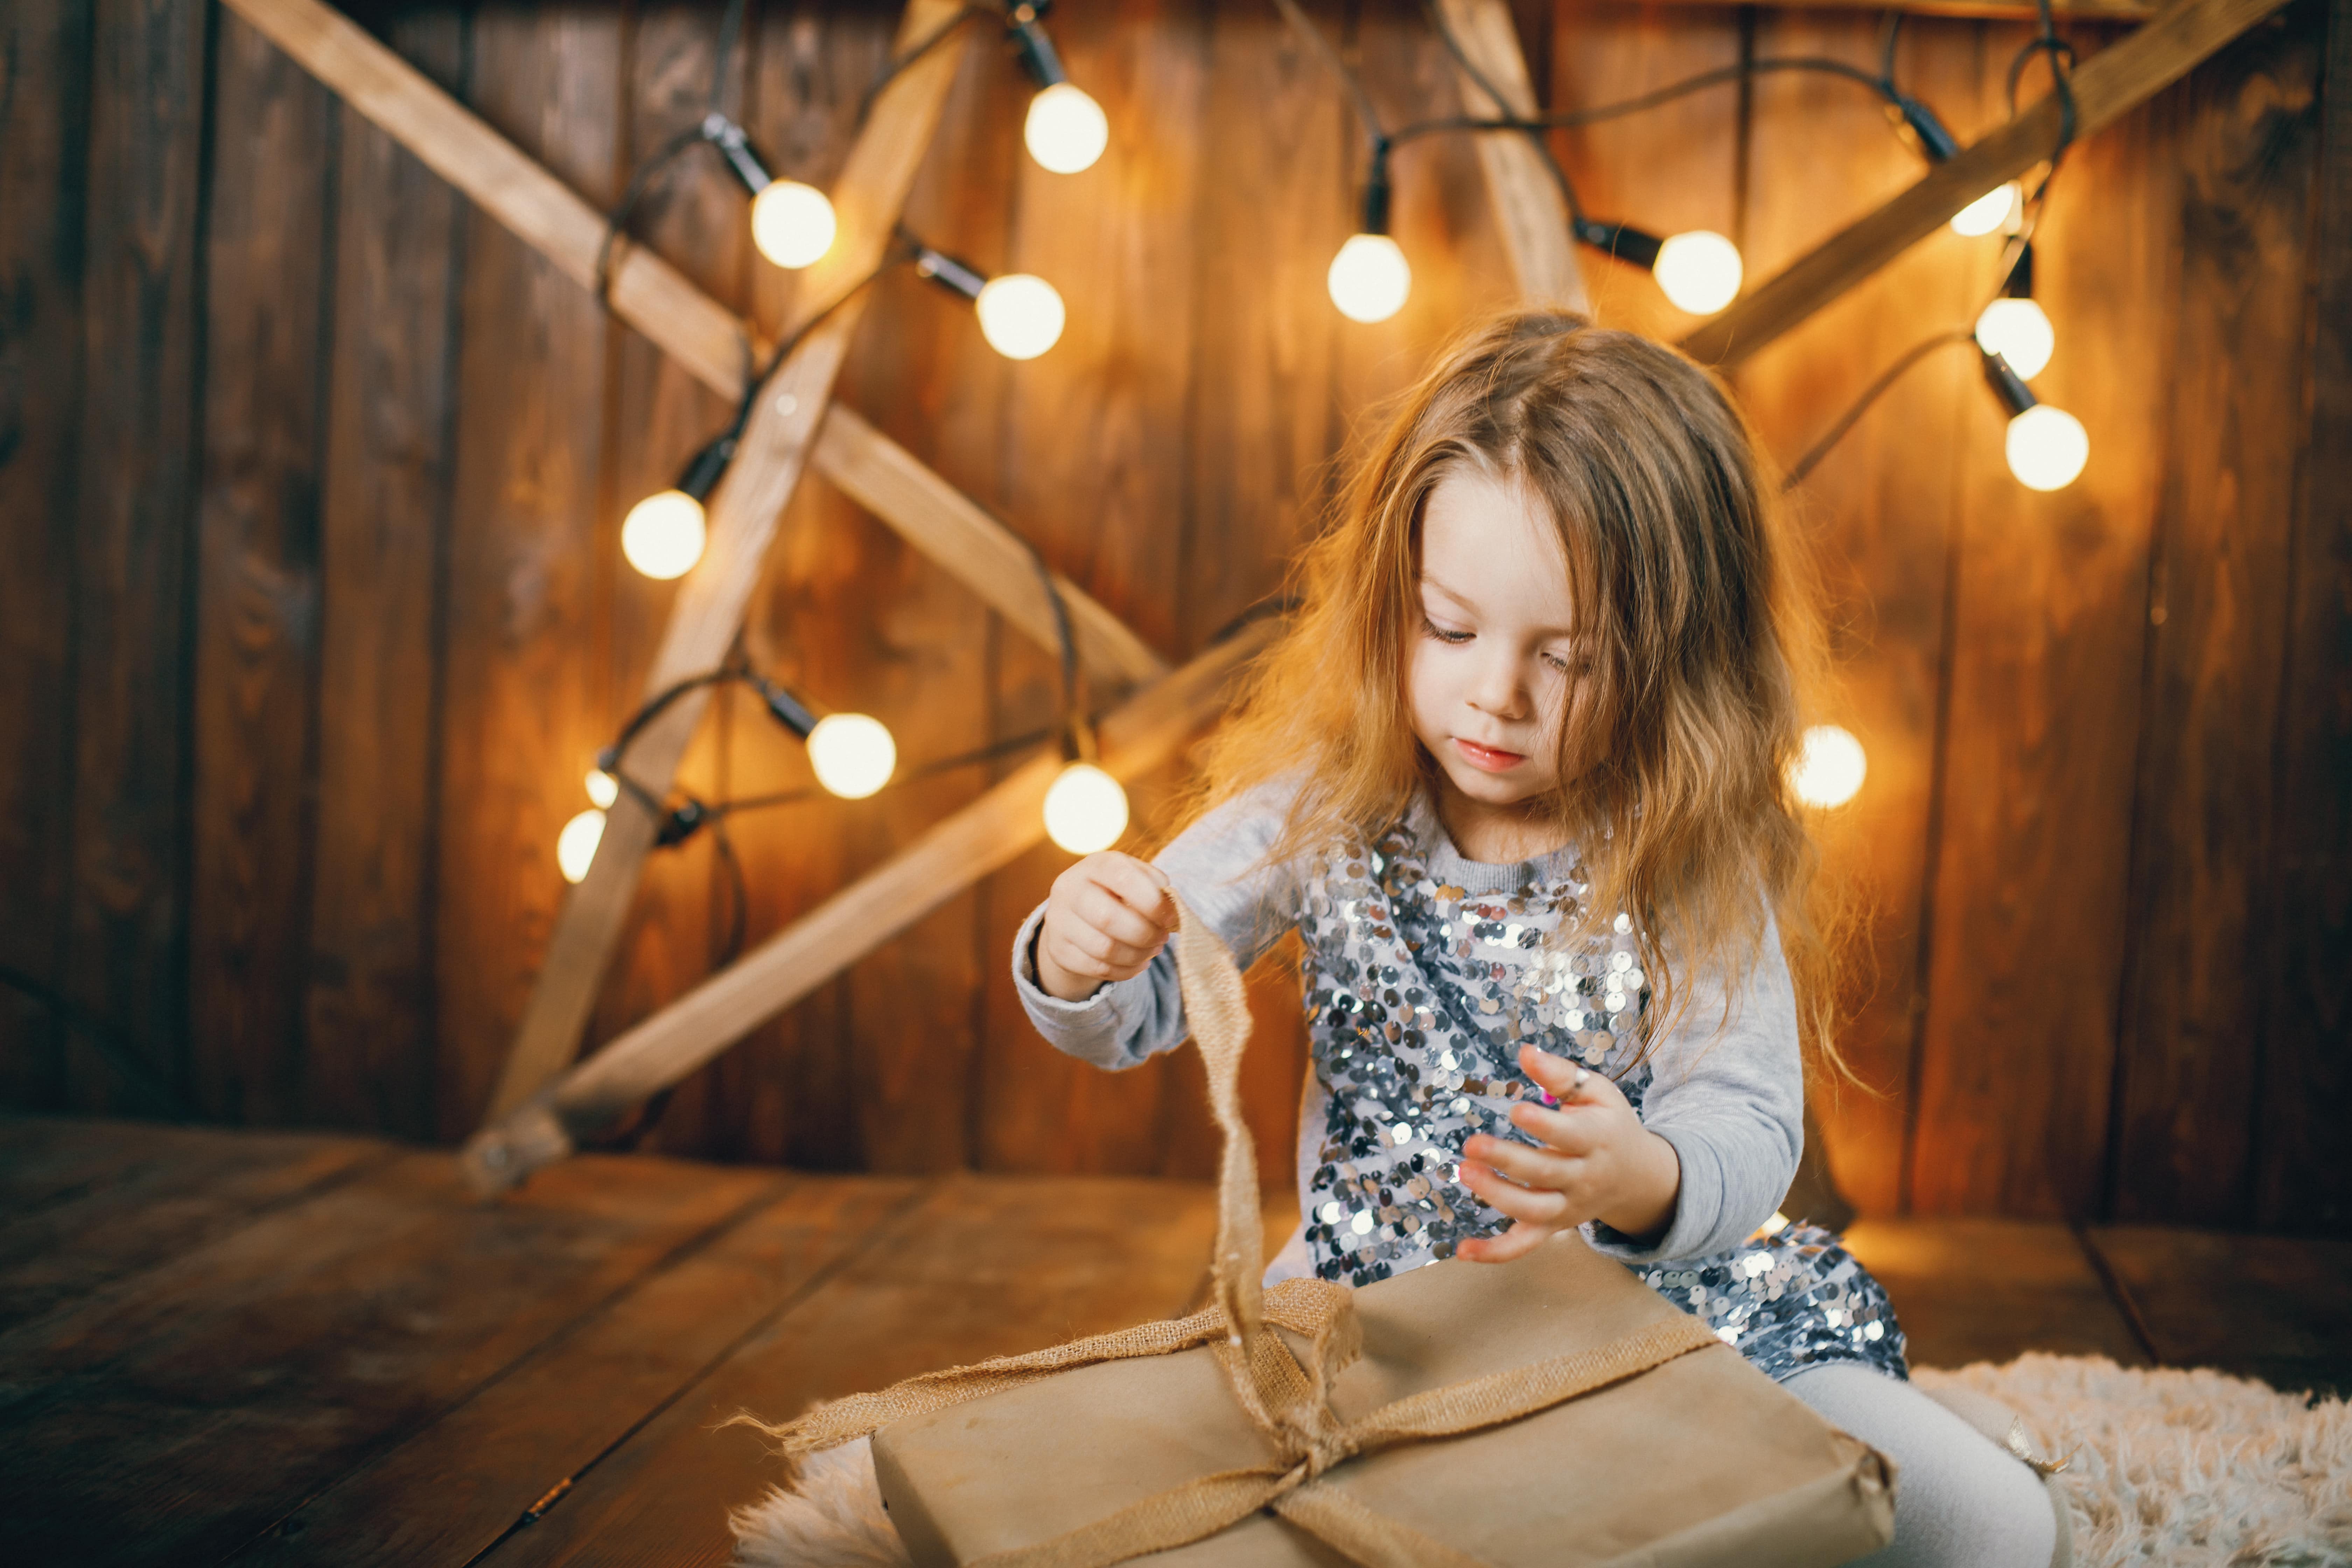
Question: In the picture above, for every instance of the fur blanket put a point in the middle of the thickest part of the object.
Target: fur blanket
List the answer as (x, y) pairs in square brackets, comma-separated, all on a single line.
[(2167, 1469)]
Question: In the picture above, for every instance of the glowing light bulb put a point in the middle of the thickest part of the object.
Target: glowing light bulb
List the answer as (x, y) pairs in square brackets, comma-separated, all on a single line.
[(2047, 448), (1699, 270), (1020, 315), (1987, 213), (793, 224), (663, 535), (853, 755), (1066, 130), (1370, 278), (1086, 810), (1830, 767), (603, 788), (575, 846), (2018, 330)]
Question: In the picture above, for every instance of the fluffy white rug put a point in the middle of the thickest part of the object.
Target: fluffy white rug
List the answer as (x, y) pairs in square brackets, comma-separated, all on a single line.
[(2170, 1467), (2166, 1469)]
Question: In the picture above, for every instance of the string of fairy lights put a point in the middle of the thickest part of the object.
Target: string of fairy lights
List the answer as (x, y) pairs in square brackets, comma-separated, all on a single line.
[(794, 226)]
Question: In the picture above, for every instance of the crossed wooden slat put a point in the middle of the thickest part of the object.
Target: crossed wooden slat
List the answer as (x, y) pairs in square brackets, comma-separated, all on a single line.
[(532, 1119)]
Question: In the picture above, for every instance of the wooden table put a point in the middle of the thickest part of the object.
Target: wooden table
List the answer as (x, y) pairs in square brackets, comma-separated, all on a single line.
[(268, 1347)]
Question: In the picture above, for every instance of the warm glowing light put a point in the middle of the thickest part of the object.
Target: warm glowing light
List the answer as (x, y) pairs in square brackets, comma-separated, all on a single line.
[(853, 755), (603, 788), (1777, 1222), (1699, 270), (663, 535), (1020, 315), (1987, 213), (1830, 767), (575, 846), (1370, 278), (793, 224), (1086, 810), (2018, 330), (1066, 129), (2047, 448)]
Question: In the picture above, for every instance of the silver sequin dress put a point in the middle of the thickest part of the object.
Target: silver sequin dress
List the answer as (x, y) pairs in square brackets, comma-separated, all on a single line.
[(1419, 995)]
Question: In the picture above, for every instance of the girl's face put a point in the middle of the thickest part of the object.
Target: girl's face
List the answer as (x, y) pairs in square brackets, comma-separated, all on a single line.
[(1494, 672)]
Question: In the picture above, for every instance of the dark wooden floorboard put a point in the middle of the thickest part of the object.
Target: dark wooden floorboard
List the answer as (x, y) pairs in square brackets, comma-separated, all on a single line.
[(983, 1268), (2274, 1307), (86, 1203), (1988, 1289), (546, 1421), (176, 1413)]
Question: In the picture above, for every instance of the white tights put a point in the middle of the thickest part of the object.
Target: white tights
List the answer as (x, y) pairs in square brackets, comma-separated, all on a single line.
[(1960, 1500)]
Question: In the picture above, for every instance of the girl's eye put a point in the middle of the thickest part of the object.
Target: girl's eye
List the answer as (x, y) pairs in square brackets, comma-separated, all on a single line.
[(1440, 633), (1561, 663)]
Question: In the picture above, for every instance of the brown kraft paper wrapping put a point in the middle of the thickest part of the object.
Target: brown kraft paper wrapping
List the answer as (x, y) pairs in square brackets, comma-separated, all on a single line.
[(1550, 1411)]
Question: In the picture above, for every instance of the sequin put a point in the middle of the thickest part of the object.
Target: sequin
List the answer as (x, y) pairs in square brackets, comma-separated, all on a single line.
[(1418, 996)]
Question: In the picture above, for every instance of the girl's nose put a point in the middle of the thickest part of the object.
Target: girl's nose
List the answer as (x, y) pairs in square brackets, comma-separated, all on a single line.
[(1497, 688)]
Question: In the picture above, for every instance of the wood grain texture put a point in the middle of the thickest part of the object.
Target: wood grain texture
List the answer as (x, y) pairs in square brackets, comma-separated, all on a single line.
[(1988, 10), (267, 335), (2050, 613), (1532, 214), (2108, 86), (43, 151), (518, 1439), (743, 513), (127, 909), (521, 708), (985, 1267), (2270, 1306), (1988, 1289), (2304, 1177), (1878, 518), (385, 554), (183, 1409), (2191, 1055)]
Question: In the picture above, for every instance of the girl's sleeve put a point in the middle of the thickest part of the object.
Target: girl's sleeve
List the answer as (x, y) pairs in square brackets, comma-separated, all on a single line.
[(1728, 1092), (1218, 865)]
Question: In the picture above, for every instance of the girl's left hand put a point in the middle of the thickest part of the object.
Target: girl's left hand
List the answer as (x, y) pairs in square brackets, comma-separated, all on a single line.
[(1598, 1161)]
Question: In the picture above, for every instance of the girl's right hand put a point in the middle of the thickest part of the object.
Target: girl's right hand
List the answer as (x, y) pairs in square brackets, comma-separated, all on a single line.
[(1106, 919)]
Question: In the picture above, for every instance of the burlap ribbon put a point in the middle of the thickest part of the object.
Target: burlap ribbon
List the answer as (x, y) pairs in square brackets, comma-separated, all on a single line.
[(1284, 1396)]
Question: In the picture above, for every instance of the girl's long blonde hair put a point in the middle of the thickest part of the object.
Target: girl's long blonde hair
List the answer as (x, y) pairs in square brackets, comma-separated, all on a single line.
[(1702, 632)]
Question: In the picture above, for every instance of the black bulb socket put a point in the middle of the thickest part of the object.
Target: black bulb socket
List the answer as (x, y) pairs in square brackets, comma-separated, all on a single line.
[(1031, 46), (703, 470), (682, 824), (2007, 385), (1377, 193), (2019, 285), (735, 146), (957, 277), (1938, 144), (1636, 247), (782, 706)]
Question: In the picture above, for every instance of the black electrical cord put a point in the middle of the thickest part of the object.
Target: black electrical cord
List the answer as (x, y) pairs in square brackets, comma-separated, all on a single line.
[(1804, 466), (897, 63)]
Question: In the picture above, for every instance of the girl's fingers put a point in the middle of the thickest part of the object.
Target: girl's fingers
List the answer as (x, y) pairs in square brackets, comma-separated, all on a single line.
[(1529, 1167), (1573, 1132), (1137, 884), (1538, 1206), (1100, 908), (1516, 1242)]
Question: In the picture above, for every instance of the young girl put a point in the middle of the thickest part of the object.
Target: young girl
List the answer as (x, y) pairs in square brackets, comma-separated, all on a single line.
[(1516, 775)]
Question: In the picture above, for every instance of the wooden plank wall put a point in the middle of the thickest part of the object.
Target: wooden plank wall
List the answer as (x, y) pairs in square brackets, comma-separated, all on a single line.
[(313, 614)]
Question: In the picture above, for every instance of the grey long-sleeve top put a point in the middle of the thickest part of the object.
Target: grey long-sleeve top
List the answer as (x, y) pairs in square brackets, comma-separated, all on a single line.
[(1423, 973)]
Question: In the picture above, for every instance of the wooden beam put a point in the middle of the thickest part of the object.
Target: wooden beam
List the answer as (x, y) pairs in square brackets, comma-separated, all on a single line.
[(1982, 10), (1528, 205), (743, 515), (700, 333), (958, 533), (2112, 83), (988, 833)]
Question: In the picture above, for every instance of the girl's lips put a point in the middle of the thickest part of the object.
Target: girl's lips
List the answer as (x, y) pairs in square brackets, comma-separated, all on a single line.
[(1487, 757)]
